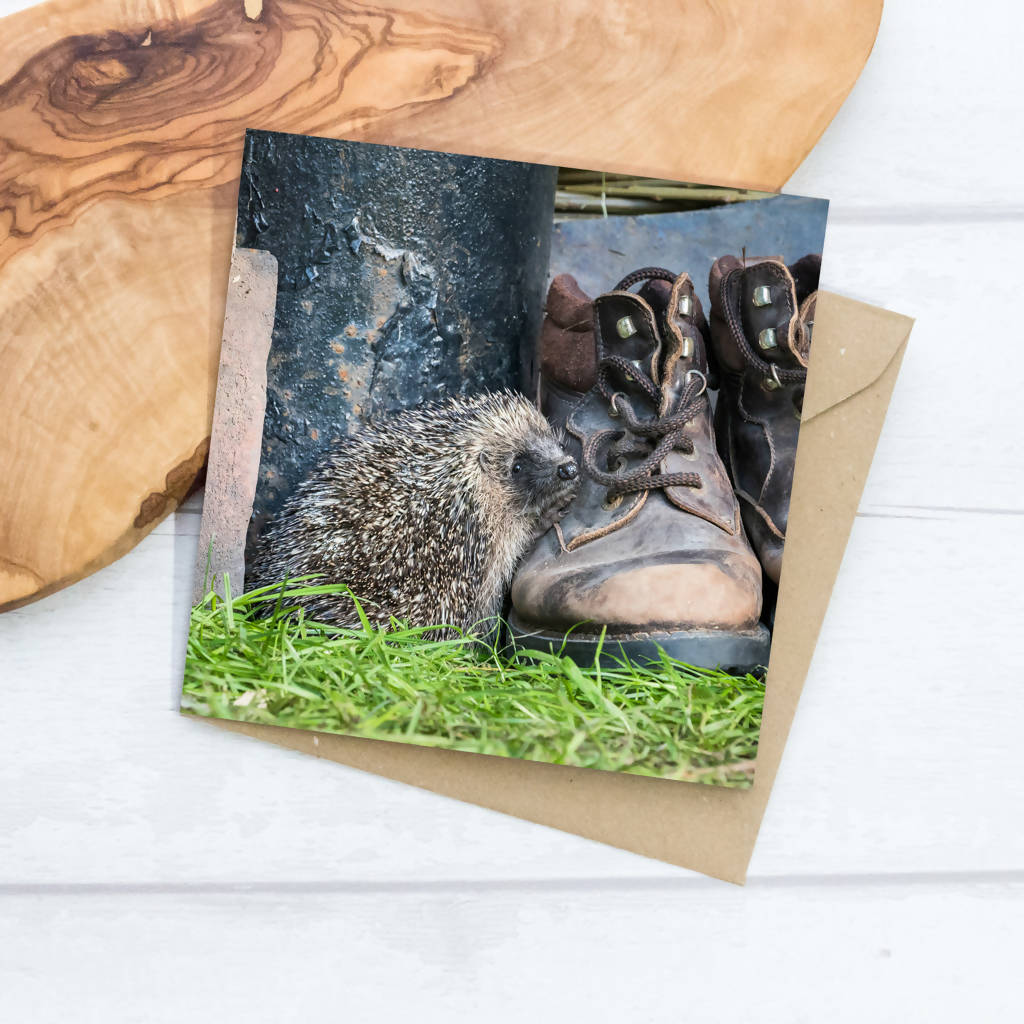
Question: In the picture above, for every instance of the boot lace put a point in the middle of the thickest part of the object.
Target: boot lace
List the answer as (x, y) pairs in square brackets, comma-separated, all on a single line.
[(653, 438)]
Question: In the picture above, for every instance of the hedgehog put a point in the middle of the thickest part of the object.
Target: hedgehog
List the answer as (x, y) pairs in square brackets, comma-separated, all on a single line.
[(423, 514)]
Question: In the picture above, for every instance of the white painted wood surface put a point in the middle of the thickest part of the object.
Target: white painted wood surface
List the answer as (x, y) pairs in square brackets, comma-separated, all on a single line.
[(154, 869)]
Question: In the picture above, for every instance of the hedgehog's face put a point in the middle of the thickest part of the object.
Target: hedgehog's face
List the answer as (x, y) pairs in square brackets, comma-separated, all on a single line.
[(538, 475)]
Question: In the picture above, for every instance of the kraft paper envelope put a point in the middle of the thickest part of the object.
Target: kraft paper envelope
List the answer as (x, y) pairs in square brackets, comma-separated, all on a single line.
[(855, 359)]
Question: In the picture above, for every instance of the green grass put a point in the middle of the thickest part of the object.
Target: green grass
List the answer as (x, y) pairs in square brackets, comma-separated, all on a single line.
[(668, 720)]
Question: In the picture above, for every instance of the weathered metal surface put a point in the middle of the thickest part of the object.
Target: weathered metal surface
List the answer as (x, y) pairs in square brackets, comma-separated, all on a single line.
[(405, 276)]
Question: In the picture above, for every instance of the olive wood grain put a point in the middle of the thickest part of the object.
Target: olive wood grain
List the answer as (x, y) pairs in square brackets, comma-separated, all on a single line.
[(121, 127)]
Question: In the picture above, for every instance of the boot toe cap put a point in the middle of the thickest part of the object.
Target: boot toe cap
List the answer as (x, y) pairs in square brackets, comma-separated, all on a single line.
[(714, 594)]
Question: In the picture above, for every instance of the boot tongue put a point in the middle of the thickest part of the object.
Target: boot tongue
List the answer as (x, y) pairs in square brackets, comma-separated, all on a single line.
[(682, 327), (568, 355)]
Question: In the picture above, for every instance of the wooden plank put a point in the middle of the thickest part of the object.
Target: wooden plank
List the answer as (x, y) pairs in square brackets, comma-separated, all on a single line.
[(121, 131), (889, 951), (841, 949), (951, 437), (911, 137), (898, 758)]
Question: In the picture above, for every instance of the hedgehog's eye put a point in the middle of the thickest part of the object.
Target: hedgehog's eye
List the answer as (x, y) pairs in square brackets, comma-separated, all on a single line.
[(517, 466)]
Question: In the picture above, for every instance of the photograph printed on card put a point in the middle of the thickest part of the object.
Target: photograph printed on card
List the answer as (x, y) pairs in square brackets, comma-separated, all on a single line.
[(502, 456)]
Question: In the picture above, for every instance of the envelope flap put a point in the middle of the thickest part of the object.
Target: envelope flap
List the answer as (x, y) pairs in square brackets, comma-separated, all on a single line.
[(853, 344)]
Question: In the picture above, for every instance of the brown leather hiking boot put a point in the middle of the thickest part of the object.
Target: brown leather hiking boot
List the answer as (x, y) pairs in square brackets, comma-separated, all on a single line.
[(653, 547), (761, 319)]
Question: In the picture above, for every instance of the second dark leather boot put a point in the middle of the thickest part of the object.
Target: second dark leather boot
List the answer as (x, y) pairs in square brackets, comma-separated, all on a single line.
[(761, 321)]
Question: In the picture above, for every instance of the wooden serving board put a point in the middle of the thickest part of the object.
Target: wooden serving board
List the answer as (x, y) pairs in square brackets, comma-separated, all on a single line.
[(121, 128)]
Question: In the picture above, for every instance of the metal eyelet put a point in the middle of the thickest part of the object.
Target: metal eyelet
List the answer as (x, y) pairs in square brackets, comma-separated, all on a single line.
[(613, 406), (762, 295), (686, 305), (772, 383), (611, 503), (620, 465), (704, 381), (689, 456), (625, 327)]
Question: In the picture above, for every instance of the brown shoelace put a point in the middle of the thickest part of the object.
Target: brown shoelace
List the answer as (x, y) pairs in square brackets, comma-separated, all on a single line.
[(653, 438)]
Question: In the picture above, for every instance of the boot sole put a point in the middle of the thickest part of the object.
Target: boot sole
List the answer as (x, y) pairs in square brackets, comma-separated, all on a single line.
[(738, 652)]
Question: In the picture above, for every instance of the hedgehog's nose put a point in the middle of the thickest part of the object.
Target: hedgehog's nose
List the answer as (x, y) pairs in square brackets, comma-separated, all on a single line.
[(567, 470)]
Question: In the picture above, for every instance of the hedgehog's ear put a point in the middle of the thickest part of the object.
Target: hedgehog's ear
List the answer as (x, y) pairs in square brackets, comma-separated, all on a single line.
[(485, 460)]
